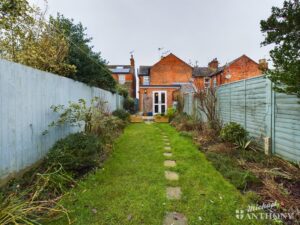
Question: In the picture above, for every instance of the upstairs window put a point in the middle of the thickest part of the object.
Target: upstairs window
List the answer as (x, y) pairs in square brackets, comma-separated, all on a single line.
[(215, 82), (122, 79), (206, 82), (146, 80)]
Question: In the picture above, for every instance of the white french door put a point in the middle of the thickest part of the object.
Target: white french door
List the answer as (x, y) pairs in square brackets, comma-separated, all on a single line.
[(159, 102)]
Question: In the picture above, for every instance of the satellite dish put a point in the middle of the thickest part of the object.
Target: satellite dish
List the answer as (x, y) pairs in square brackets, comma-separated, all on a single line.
[(228, 76)]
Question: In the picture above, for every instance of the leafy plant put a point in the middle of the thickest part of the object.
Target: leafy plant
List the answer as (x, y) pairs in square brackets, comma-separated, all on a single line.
[(243, 144), (128, 105), (233, 132), (171, 113), (77, 153), (281, 30), (121, 90), (121, 114), (79, 114)]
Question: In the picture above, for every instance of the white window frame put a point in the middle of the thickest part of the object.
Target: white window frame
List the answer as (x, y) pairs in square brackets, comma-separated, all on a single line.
[(160, 104), (148, 80), (215, 82), (206, 82), (122, 79)]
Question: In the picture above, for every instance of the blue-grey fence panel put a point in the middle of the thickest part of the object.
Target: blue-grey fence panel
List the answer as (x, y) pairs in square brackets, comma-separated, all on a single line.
[(286, 131), (264, 113), (26, 96), (255, 113)]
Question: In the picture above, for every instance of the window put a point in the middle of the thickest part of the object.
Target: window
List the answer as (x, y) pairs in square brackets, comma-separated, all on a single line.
[(206, 82), (215, 82), (146, 80), (122, 79)]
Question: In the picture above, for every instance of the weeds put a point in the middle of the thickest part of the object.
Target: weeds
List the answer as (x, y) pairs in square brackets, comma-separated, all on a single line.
[(34, 206)]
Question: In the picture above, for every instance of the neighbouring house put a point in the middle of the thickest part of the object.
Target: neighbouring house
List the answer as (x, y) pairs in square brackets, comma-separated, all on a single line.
[(238, 69), (159, 84), (125, 76)]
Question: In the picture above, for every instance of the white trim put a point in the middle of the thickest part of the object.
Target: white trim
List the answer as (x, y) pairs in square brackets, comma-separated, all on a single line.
[(123, 80), (159, 99), (159, 87)]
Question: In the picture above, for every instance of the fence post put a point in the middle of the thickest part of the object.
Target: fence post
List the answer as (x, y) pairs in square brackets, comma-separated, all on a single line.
[(245, 104), (269, 117)]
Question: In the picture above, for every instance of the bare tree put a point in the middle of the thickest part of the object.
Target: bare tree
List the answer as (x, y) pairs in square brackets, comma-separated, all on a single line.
[(207, 104)]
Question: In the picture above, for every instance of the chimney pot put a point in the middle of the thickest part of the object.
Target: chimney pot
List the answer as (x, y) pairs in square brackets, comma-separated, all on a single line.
[(263, 64), (213, 65)]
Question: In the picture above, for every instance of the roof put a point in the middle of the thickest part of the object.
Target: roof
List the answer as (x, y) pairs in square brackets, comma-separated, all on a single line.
[(201, 71), (172, 55), (144, 70), (120, 69), (206, 72), (187, 87)]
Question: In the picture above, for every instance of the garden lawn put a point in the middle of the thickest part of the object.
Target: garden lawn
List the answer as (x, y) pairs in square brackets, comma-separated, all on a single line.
[(131, 187)]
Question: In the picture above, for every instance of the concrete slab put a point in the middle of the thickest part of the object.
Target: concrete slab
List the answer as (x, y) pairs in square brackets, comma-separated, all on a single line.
[(169, 163), (169, 175), (173, 193), (174, 218), (168, 154)]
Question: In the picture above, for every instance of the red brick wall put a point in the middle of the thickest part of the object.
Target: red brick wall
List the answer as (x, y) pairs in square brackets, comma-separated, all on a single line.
[(129, 79), (170, 70), (150, 94), (239, 70)]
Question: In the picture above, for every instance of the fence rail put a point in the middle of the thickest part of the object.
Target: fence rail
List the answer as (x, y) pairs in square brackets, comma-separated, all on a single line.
[(263, 112), (26, 96)]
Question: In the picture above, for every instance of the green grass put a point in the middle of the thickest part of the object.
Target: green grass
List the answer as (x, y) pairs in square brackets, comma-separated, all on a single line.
[(130, 189)]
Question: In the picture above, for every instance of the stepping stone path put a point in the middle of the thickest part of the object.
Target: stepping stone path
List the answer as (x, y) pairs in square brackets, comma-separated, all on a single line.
[(175, 218), (170, 163), (171, 175), (173, 193)]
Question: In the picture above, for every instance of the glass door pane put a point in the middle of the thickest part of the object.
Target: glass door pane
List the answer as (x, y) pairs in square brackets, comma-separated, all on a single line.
[(156, 98), (163, 97)]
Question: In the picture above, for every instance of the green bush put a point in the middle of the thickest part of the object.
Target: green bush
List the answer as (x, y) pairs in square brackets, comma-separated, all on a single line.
[(121, 114), (171, 113), (122, 91), (128, 105), (77, 153), (233, 132)]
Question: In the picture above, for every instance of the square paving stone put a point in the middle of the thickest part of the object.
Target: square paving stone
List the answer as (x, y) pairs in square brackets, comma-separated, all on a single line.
[(173, 193), (171, 175), (167, 148), (174, 218), (170, 163), (168, 154)]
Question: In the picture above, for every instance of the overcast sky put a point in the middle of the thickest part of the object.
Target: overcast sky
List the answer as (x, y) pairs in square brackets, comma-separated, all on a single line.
[(191, 29)]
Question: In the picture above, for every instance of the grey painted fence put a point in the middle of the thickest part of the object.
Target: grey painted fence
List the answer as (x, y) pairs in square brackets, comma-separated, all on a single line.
[(26, 96), (263, 112)]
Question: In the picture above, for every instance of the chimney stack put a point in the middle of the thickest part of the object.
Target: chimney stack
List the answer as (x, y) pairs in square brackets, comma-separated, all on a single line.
[(213, 65), (132, 64), (263, 64)]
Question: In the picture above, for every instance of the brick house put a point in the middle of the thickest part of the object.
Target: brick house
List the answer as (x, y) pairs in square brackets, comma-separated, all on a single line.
[(238, 69), (159, 83), (125, 76)]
